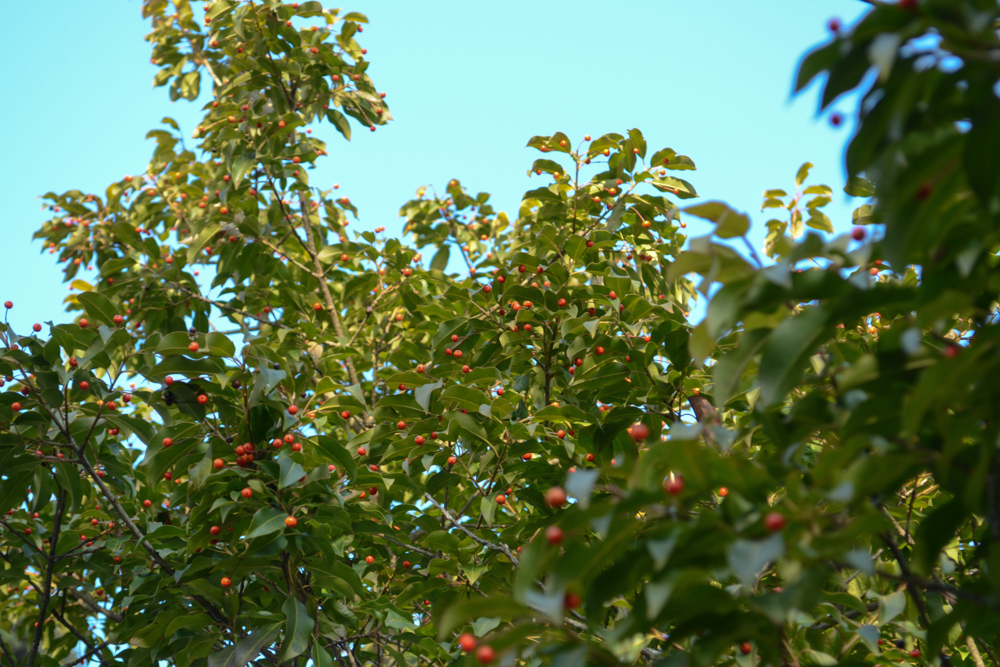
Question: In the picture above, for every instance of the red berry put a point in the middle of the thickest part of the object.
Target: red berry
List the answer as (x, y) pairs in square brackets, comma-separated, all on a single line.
[(501, 500), (674, 485), (571, 601), (774, 521), (555, 497), (291, 521), (370, 559), (214, 530), (419, 440), (485, 654), (745, 648), (639, 432), (467, 642), (218, 464), (554, 535), (246, 493), (858, 233), (167, 442), (833, 24), (723, 491), (8, 304), (226, 582)]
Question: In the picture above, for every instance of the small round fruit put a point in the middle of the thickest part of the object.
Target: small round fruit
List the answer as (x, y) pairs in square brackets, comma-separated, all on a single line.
[(419, 440), (485, 654), (147, 503), (674, 485), (590, 457), (467, 642), (639, 432), (571, 601), (745, 648), (193, 346), (218, 464), (346, 414), (723, 491), (774, 521), (202, 399), (501, 500), (214, 530), (554, 535), (291, 521), (370, 559), (226, 582), (247, 492), (858, 233), (555, 497)]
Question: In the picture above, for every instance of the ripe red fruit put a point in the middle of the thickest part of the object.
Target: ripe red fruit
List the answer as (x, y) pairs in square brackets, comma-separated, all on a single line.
[(560, 434), (952, 351), (501, 500), (745, 648), (202, 399), (83, 322), (346, 414), (246, 493), (167, 476), (555, 497), (36, 327), (193, 346), (401, 425), (639, 432), (293, 409), (723, 491), (452, 460), (291, 521), (571, 601), (467, 642), (118, 319), (370, 559), (168, 381), (8, 304), (15, 406), (84, 385), (915, 653), (218, 464), (485, 654), (836, 119), (419, 440), (147, 503), (774, 521), (858, 233), (362, 451), (226, 582), (833, 24), (406, 564), (214, 530), (674, 485), (527, 456), (554, 535)]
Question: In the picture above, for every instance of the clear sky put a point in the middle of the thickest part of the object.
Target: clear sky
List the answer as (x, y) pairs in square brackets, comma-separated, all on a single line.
[(468, 84)]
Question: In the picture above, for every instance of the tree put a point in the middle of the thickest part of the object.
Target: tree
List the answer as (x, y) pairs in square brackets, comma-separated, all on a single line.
[(267, 439)]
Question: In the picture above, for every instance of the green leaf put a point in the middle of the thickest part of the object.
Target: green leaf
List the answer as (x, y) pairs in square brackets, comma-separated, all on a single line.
[(265, 521), (98, 307), (219, 345), (728, 223), (243, 163), (340, 121), (787, 351), (291, 472), (803, 173), (248, 648), (12, 491), (728, 370), (297, 628), (440, 261)]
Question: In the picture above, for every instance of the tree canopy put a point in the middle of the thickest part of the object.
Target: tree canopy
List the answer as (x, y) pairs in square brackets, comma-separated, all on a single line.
[(267, 438)]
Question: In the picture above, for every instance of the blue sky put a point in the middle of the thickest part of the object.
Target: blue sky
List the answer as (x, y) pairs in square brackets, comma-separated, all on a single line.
[(468, 84)]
